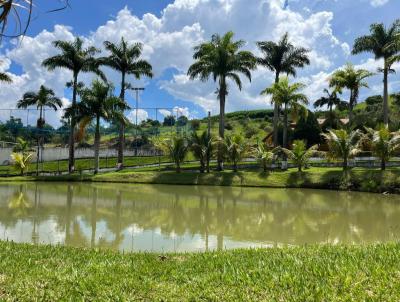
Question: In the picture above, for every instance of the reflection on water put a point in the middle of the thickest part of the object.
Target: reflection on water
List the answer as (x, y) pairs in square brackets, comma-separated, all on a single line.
[(180, 218)]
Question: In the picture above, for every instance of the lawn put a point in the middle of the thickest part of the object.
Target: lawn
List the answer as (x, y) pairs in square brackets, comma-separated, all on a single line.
[(312, 273)]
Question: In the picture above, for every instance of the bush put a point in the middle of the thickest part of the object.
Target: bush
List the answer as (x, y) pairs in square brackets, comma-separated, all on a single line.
[(195, 124)]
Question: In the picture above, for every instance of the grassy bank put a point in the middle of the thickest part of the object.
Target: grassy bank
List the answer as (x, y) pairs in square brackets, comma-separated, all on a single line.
[(366, 180), (314, 273)]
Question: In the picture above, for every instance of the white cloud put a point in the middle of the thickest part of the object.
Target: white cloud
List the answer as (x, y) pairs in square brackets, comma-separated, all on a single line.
[(142, 115), (377, 3)]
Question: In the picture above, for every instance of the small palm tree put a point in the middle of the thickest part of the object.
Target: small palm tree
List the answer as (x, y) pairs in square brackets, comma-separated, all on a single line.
[(299, 154), (384, 143), (202, 147), (353, 80), (125, 59), (77, 59), (21, 161), (236, 149), (290, 98), (222, 59), (263, 155), (22, 146), (282, 57), (97, 102), (176, 148), (343, 145), (45, 97), (382, 43)]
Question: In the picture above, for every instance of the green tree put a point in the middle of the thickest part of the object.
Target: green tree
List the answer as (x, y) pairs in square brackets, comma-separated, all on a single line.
[(125, 59), (263, 155), (299, 154), (342, 144), (353, 80), (222, 59), (290, 98), (382, 43), (4, 77), (98, 102), (236, 149), (21, 161), (176, 148), (384, 143), (77, 59), (45, 97), (282, 57), (202, 146)]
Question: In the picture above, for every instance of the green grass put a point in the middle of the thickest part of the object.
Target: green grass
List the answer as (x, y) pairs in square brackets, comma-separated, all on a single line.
[(313, 273)]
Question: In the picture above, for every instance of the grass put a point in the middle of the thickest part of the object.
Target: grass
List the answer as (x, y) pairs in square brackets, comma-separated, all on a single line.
[(312, 273), (357, 179)]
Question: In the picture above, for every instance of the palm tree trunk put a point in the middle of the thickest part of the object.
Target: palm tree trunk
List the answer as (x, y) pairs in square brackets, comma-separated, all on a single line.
[(383, 164), (97, 146), (71, 159), (345, 163), (351, 104), (285, 128), (222, 99), (121, 140), (385, 95), (39, 140), (276, 116)]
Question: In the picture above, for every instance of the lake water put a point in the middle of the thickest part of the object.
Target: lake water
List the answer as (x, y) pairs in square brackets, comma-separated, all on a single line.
[(182, 218)]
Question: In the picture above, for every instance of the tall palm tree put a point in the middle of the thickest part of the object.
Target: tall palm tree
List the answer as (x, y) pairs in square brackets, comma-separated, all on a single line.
[(342, 144), (382, 43), (77, 59), (222, 59), (45, 97), (125, 59), (384, 144), (282, 57), (97, 102), (289, 96), (330, 100), (352, 79)]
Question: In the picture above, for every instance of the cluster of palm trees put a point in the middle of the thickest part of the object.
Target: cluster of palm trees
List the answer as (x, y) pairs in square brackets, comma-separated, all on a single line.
[(221, 59)]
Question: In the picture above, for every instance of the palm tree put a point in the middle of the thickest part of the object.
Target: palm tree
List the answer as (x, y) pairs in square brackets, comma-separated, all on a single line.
[(98, 103), (202, 147), (21, 161), (289, 97), (330, 100), (5, 77), (282, 57), (176, 148), (353, 80), (342, 144), (77, 59), (236, 149), (382, 43), (222, 59), (45, 97), (124, 58), (299, 154), (384, 144), (262, 155)]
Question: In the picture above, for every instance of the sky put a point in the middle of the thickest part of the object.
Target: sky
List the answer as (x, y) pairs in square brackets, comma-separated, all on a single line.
[(169, 29)]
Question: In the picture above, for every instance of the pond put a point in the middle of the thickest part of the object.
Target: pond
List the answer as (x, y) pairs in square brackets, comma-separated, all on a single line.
[(161, 218)]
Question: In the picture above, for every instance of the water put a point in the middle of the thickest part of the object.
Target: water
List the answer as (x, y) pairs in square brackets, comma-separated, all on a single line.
[(182, 218)]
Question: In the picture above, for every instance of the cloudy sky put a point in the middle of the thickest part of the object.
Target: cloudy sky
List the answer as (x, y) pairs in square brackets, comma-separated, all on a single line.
[(170, 29)]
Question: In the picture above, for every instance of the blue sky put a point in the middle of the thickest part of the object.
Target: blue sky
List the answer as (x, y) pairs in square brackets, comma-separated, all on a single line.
[(169, 29)]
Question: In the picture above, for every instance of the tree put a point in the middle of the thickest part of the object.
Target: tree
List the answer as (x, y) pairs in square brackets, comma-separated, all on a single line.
[(353, 80), (282, 57), (308, 129), (342, 144), (21, 161), (299, 154), (169, 120), (125, 59), (182, 121), (236, 149), (330, 100), (262, 155), (97, 102), (290, 98), (382, 43), (176, 148), (202, 147), (45, 97), (384, 143), (222, 59), (4, 77), (77, 59)]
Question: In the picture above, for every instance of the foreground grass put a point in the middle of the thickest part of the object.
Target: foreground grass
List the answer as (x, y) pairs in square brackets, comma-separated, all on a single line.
[(358, 179), (314, 273)]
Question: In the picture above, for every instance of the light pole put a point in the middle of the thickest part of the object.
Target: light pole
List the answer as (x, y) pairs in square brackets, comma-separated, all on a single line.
[(136, 89)]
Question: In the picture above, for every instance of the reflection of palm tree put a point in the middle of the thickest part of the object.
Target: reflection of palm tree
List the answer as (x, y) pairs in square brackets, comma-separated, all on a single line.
[(19, 203), (94, 217), (35, 233), (70, 197)]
